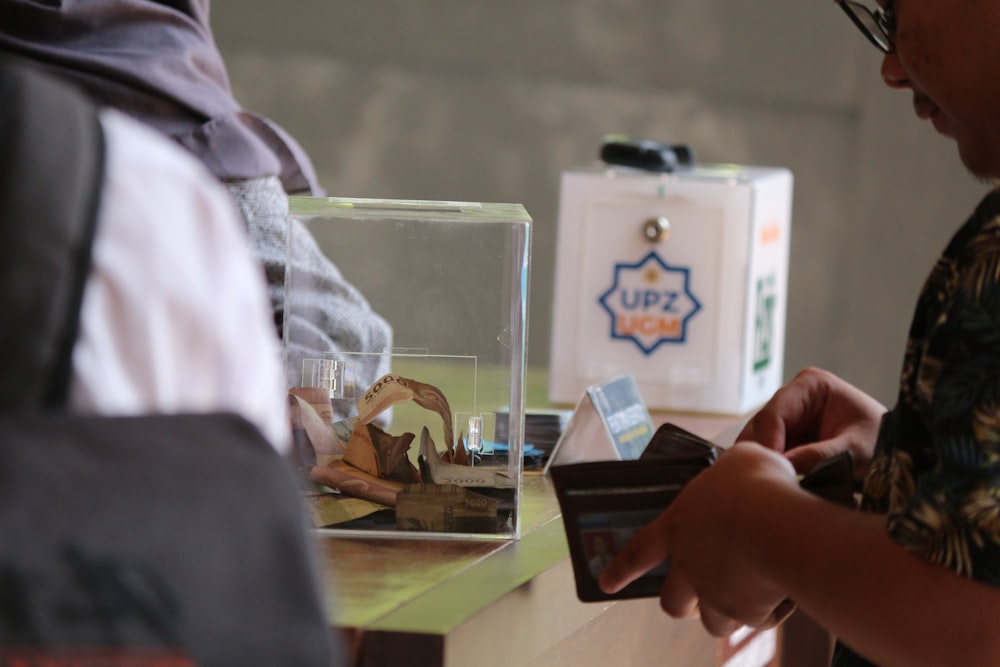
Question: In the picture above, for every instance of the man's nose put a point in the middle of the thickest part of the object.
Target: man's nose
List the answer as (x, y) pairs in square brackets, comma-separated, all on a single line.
[(893, 73)]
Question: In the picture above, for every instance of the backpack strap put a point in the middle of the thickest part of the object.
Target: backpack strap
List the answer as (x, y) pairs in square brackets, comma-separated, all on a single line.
[(51, 171)]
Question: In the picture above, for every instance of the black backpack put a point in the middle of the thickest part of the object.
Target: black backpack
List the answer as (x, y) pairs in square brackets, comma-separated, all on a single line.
[(152, 540)]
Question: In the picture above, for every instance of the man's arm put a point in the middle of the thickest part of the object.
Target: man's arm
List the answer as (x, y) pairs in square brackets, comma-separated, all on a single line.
[(887, 603), (743, 537)]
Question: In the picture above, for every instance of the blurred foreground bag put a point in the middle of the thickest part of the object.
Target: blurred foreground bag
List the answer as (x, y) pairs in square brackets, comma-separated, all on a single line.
[(175, 537), (140, 541)]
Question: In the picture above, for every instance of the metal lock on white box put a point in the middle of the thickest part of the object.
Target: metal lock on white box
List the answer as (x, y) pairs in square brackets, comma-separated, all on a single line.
[(680, 279)]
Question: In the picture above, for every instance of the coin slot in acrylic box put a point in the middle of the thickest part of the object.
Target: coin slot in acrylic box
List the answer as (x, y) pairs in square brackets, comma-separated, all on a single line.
[(403, 441)]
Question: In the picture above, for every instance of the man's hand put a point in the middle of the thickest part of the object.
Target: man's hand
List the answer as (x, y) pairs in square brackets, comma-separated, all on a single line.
[(816, 416), (710, 536)]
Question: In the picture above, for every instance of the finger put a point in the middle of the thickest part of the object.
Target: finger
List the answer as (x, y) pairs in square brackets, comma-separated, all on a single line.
[(678, 598), (782, 612), (766, 428), (790, 417), (774, 618), (717, 623), (807, 457), (647, 549)]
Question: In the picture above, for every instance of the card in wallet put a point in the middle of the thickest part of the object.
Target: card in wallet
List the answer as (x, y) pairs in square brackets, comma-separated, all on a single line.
[(604, 503)]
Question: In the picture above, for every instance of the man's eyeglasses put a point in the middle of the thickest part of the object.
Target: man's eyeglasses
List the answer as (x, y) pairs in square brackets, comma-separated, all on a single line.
[(875, 24)]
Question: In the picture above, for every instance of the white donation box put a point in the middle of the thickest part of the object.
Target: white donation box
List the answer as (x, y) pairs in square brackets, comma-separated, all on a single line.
[(679, 279)]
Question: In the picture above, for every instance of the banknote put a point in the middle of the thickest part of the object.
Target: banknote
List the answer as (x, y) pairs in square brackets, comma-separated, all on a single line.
[(446, 508)]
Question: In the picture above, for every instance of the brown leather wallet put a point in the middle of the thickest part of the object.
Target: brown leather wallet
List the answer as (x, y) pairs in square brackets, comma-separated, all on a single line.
[(604, 503)]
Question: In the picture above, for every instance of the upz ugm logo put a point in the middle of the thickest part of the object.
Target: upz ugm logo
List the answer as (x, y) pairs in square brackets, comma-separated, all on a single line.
[(650, 303)]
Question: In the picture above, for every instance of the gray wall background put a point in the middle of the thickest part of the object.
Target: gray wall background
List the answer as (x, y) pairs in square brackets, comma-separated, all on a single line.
[(483, 100)]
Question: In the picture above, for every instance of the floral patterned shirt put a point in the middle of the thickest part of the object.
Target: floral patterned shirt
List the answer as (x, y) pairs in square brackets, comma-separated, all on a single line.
[(936, 469)]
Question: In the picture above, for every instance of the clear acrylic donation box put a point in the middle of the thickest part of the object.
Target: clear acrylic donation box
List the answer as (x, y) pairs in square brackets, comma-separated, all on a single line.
[(679, 279), (402, 440)]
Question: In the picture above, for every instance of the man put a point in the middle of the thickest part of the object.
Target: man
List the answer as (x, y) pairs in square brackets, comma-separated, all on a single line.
[(914, 578)]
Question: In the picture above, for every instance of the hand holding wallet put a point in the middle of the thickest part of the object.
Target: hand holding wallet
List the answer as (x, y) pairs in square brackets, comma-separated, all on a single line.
[(604, 503)]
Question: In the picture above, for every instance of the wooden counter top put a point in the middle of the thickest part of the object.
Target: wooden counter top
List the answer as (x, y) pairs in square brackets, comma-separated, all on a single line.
[(460, 603)]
